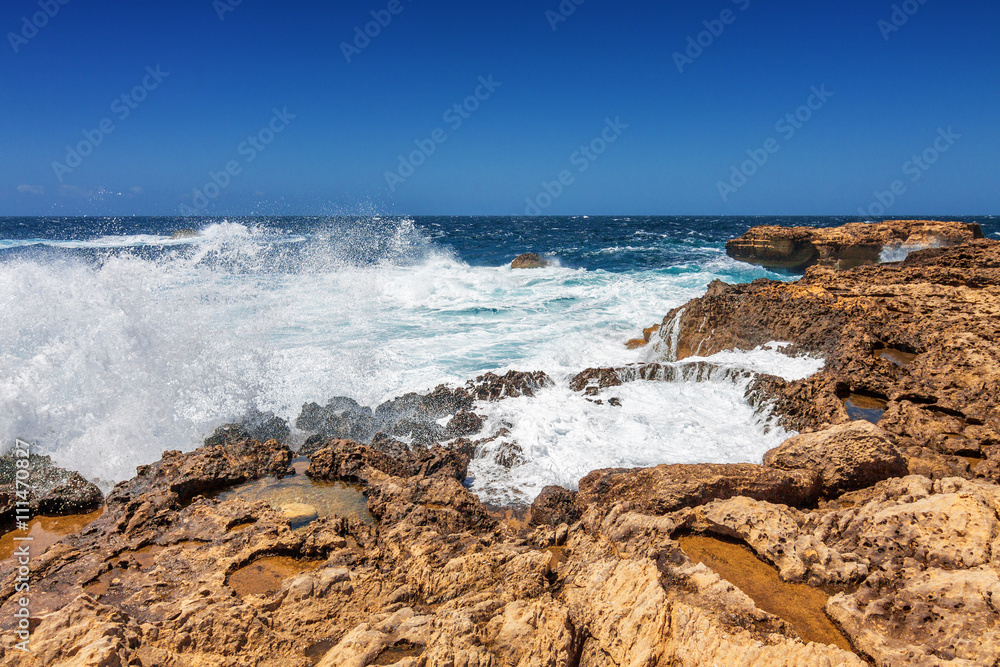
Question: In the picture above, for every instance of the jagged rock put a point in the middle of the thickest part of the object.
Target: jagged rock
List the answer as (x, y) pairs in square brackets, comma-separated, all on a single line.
[(921, 334), (254, 425), (847, 246), (343, 460), (340, 418), (666, 488), (846, 457), (553, 506), (204, 471), (441, 402), (465, 422), (53, 491), (493, 387), (529, 260)]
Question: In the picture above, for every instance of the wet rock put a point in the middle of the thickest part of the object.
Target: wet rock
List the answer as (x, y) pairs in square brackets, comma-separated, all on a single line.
[(493, 387), (346, 461), (339, 418), (254, 425), (939, 306), (441, 402), (847, 246), (529, 260), (509, 455), (666, 488), (553, 506), (204, 471), (846, 457), (53, 491), (465, 422)]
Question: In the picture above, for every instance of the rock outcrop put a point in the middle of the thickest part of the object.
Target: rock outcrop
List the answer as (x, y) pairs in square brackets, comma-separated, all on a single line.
[(529, 260), (436, 581), (920, 338), (899, 529), (47, 489), (847, 246), (845, 457)]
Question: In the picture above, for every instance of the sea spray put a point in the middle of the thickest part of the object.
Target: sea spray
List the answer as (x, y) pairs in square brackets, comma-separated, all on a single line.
[(120, 341)]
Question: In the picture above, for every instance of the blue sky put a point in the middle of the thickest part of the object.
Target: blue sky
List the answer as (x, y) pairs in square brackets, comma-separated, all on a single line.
[(682, 137)]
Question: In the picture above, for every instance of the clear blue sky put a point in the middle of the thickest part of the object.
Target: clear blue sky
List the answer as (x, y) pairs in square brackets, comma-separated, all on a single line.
[(891, 92)]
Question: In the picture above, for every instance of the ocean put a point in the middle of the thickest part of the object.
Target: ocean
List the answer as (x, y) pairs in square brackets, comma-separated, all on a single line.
[(119, 340)]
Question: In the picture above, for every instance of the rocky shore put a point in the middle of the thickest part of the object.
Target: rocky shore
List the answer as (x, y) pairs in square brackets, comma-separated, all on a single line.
[(884, 511)]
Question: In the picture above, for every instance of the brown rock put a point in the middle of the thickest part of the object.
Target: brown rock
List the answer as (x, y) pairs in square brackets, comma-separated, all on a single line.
[(666, 488), (844, 247), (529, 260), (343, 460), (919, 335), (553, 506), (53, 490), (846, 457)]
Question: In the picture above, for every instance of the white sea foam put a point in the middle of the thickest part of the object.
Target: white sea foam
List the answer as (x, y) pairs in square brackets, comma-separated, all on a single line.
[(563, 436), (897, 253), (107, 362)]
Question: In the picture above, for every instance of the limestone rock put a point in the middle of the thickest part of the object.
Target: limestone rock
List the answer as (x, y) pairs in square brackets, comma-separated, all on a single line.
[(847, 246), (666, 488), (846, 457)]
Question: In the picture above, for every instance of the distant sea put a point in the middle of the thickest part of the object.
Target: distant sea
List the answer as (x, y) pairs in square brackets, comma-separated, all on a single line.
[(119, 340)]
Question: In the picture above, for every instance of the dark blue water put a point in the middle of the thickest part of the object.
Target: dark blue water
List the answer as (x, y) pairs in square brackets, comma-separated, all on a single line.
[(596, 242)]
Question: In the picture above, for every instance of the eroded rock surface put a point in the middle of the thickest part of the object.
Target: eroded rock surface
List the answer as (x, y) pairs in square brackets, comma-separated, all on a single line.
[(846, 246), (921, 336), (845, 457), (51, 490), (437, 581)]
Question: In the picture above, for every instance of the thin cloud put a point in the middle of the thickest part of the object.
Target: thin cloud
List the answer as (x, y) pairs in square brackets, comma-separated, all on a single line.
[(31, 189)]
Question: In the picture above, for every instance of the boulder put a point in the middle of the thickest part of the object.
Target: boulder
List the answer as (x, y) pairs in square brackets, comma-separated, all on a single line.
[(845, 457), (529, 260)]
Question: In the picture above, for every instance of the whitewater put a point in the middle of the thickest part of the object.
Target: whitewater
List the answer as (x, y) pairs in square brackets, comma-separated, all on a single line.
[(120, 341)]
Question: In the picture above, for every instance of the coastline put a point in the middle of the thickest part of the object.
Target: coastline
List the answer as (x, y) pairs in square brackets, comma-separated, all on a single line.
[(894, 515)]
